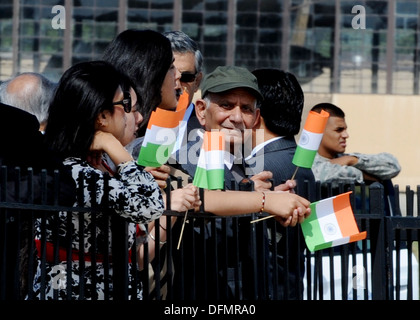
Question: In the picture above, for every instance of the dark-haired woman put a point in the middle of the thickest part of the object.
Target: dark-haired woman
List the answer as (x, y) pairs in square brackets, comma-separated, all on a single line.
[(146, 58), (88, 117)]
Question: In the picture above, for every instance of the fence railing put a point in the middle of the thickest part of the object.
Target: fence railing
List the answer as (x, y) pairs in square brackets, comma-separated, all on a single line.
[(225, 258)]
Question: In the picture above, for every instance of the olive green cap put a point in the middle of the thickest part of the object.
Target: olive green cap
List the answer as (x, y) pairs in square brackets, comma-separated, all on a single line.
[(225, 78)]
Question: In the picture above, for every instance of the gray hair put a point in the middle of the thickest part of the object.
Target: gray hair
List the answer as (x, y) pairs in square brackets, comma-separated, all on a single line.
[(34, 96), (182, 43)]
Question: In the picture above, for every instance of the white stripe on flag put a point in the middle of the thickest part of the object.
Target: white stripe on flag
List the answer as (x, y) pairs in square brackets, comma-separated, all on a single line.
[(341, 241), (211, 160), (327, 220), (183, 128), (161, 136), (309, 140)]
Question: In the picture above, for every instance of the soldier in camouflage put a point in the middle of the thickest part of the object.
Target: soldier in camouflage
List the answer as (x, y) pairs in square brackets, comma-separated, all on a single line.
[(333, 165)]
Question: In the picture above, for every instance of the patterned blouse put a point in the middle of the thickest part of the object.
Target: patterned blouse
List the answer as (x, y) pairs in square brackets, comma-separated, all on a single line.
[(133, 194)]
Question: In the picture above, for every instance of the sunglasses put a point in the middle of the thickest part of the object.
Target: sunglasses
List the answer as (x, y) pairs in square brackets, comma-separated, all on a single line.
[(187, 77), (126, 102)]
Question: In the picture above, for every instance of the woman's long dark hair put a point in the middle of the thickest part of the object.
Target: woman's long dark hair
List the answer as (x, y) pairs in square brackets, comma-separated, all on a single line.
[(145, 57), (84, 91)]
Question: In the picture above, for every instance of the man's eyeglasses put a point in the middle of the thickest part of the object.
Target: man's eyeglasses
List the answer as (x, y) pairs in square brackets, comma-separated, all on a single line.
[(126, 102), (187, 77)]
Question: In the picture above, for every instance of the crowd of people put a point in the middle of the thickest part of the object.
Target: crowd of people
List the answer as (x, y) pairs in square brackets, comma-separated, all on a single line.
[(92, 124)]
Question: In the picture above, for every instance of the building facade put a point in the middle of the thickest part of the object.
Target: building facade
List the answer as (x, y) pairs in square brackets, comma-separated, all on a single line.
[(361, 55), (332, 46)]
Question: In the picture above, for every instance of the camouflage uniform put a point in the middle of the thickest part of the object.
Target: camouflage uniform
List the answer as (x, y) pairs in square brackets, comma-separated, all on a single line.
[(383, 166)]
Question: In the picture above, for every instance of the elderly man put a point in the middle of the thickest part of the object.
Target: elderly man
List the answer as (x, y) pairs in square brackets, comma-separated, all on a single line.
[(228, 103)]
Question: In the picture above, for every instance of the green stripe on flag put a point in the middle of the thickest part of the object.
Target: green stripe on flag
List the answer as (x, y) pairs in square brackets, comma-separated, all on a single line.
[(209, 179), (303, 157), (312, 232), (154, 155)]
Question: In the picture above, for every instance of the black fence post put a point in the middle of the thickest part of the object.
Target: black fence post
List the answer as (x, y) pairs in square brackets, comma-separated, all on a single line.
[(377, 242)]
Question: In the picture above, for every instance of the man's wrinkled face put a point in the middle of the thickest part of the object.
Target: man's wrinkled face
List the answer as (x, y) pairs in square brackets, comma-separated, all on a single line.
[(231, 112)]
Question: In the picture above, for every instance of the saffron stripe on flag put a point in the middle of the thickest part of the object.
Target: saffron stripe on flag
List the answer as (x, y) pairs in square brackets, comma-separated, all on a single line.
[(315, 122), (183, 101), (213, 141), (310, 139), (165, 118)]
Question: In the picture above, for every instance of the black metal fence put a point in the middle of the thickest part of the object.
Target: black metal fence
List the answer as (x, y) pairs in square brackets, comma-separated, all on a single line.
[(203, 256)]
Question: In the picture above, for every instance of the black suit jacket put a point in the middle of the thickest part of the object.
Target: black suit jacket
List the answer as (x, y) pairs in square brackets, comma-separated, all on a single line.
[(277, 157)]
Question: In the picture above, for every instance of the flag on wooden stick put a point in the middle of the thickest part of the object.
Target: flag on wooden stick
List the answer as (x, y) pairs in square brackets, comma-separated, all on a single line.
[(310, 139), (331, 223), (210, 173), (161, 134)]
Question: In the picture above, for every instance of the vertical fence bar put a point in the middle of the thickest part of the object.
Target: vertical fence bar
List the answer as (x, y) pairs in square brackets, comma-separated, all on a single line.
[(410, 213), (3, 239), (380, 280)]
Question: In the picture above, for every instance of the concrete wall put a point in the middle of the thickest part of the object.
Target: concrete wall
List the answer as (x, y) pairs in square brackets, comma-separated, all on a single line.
[(381, 123)]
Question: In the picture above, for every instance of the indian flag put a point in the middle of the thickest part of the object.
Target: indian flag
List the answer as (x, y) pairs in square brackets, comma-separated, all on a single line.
[(210, 173), (310, 139), (183, 101), (161, 134), (331, 223)]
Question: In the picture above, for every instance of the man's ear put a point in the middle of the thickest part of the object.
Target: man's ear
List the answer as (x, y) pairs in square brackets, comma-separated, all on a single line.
[(258, 119), (200, 111)]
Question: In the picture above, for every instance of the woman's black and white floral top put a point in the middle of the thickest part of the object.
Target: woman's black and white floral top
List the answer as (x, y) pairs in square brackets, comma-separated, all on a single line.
[(132, 194)]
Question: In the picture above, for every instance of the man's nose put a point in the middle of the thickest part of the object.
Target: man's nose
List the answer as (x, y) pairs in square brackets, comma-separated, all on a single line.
[(236, 115), (345, 134)]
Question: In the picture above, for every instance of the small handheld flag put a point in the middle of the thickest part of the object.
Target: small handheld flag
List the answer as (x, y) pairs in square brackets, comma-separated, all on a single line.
[(210, 172), (310, 139), (331, 223), (161, 134)]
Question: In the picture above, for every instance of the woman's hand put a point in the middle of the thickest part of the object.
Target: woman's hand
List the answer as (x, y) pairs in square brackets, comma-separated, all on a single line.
[(288, 208), (107, 142), (261, 181), (100, 140), (288, 186), (161, 174), (185, 198)]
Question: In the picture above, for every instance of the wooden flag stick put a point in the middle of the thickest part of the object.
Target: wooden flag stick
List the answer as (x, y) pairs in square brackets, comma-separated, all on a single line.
[(263, 218), (182, 230), (294, 174)]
